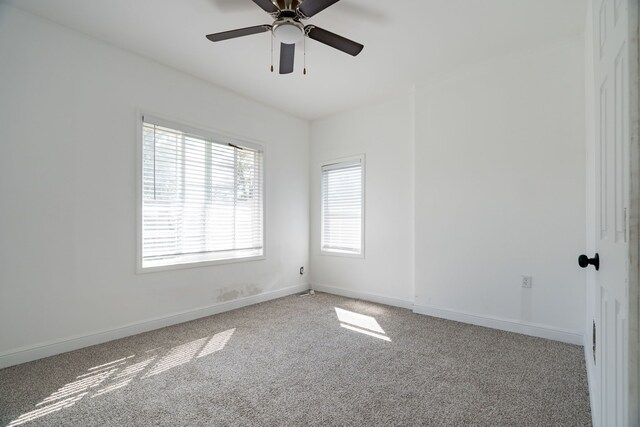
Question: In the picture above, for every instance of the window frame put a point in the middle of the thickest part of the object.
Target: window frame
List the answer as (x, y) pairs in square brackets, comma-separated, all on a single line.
[(215, 135), (350, 159)]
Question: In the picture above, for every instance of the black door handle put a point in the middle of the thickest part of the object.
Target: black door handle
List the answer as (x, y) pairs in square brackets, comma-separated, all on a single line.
[(584, 261)]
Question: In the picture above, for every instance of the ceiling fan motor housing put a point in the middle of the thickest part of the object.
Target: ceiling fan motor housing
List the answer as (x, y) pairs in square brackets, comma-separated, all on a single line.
[(287, 4)]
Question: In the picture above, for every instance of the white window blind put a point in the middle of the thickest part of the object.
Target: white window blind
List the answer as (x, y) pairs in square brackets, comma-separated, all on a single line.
[(342, 207), (202, 199)]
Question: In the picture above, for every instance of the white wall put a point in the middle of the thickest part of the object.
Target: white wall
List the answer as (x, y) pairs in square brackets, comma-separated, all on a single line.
[(500, 190), (68, 186), (384, 133), (496, 191)]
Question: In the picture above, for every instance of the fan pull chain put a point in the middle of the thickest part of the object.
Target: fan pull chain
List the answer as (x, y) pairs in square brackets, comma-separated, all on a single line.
[(272, 52), (304, 50)]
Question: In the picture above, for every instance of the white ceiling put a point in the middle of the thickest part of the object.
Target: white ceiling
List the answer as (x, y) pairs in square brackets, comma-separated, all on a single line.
[(405, 42)]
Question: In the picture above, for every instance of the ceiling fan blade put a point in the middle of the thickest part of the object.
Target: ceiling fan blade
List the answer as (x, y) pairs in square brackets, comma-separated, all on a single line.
[(287, 52), (333, 40), (310, 7), (226, 35), (267, 6)]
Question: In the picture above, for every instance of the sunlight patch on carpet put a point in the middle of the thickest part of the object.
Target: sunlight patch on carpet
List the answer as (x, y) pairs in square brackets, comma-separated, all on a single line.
[(216, 343), (119, 373), (361, 323)]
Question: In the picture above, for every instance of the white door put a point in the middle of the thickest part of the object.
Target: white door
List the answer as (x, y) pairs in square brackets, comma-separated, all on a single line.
[(614, 51)]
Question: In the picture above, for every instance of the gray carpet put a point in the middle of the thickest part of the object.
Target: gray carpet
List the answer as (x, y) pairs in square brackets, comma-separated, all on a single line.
[(298, 361)]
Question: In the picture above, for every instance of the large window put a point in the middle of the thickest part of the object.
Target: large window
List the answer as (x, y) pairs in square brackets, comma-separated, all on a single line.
[(342, 207), (202, 197)]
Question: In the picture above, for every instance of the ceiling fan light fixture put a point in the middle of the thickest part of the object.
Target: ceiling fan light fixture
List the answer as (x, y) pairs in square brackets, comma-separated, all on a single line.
[(288, 32)]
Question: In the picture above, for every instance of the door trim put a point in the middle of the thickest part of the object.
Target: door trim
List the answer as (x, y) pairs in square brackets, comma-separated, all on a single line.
[(634, 218)]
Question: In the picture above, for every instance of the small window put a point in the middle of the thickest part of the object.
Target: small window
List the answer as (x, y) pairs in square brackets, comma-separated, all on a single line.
[(202, 197), (343, 207)]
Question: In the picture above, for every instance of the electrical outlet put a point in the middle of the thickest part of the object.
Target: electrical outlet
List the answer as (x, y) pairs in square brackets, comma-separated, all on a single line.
[(527, 281)]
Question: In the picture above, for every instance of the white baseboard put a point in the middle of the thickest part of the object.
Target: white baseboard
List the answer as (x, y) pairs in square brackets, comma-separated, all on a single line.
[(532, 329), (51, 348), (380, 299)]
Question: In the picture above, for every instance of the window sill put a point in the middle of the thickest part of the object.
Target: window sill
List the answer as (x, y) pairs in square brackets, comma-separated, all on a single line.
[(341, 254), (196, 264)]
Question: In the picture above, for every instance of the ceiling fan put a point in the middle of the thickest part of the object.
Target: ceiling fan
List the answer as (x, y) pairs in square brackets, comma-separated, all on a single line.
[(288, 30)]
